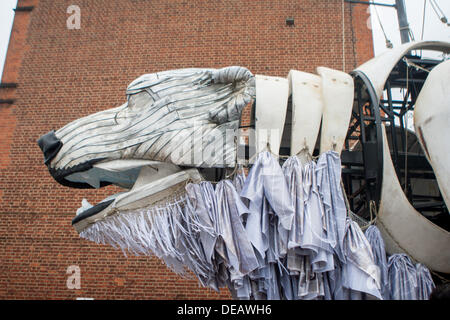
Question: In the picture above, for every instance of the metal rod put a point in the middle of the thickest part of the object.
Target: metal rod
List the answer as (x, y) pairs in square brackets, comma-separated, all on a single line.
[(371, 3), (8, 85), (6, 101), (24, 9), (393, 129), (402, 20)]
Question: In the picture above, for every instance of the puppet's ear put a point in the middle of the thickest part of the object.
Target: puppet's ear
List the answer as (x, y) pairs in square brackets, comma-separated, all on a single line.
[(239, 83)]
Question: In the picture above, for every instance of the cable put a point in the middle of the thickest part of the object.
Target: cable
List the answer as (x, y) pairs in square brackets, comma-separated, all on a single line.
[(423, 19), (412, 64), (411, 35), (388, 42), (439, 9), (440, 14)]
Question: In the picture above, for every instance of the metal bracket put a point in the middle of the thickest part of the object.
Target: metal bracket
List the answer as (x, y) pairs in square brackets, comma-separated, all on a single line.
[(24, 9), (372, 3), (5, 85), (6, 101)]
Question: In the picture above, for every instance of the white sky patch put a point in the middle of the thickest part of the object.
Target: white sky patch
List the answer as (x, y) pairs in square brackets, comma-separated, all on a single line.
[(434, 28), (6, 21)]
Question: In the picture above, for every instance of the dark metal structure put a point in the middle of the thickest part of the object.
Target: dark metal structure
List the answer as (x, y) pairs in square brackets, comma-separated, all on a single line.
[(363, 155)]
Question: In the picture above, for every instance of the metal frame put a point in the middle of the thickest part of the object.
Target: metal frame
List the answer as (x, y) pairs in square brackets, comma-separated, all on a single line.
[(369, 3), (364, 164), (363, 155)]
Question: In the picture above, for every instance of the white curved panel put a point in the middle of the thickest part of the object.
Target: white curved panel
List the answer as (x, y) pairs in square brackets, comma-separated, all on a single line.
[(123, 165), (432, 124), (337, 94), (404, 229), (144, 195), (272, 95), (307, 108), (379, 68)]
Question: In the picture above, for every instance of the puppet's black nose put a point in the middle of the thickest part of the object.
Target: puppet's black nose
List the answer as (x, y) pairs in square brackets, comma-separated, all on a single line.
[(50, 145)]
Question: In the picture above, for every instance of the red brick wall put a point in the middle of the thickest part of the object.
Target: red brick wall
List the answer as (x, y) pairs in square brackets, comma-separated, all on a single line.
[(65, 74)]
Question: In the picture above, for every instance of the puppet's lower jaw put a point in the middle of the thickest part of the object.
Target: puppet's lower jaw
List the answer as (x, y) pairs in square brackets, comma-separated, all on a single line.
[(152, 187)]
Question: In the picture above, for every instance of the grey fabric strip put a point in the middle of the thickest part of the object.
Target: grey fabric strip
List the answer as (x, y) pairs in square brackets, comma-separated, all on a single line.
[(285, 235)]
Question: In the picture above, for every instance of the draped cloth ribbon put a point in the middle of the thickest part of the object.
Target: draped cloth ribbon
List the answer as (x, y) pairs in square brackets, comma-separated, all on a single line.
[(282, 232)]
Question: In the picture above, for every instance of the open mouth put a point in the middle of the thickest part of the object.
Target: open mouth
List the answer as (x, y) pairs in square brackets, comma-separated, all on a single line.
[(145, 182), (149, 145)]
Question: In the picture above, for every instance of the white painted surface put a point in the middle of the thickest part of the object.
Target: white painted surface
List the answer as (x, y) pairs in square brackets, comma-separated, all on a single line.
[(379, 68), (404, 229), (272, 95), (307, 108), (337, 94), (432, 124)]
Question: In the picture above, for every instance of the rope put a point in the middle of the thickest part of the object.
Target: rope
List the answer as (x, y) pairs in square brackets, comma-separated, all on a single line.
[(363, 224), (373, 213), (347, 203), (266, 148), (412, 64), (304, 154)]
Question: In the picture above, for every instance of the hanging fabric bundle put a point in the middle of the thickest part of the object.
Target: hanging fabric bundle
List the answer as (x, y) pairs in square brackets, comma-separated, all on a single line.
[(333, 286), (329, 182), (279, 233), (360, 274), (241, 256), (373, 235), (266, 190), (239, 180), (270, 218), (201, 202), (266, 181), (168, 230), (310, 250), (402, 277), (425, 284)]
